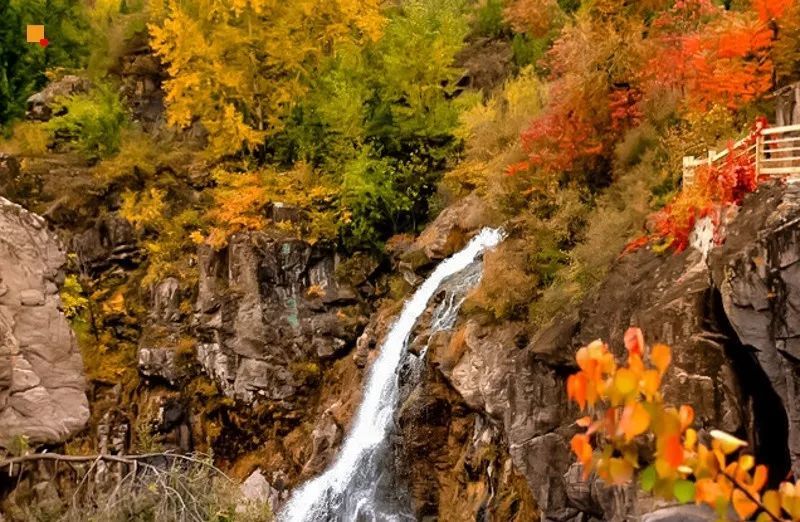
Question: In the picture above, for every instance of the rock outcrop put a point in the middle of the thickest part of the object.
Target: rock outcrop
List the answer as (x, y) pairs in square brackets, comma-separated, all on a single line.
[(731, 318), (268, 311), (42, 386), (49, 102)]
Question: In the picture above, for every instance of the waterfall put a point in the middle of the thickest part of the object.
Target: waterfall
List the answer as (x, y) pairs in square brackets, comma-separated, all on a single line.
[(334, 495)]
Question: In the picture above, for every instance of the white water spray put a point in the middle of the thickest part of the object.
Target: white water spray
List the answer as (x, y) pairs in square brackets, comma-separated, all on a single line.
[(315, 500)]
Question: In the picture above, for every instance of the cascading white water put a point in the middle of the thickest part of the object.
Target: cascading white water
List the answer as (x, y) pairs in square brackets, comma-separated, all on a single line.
[(316, 500)]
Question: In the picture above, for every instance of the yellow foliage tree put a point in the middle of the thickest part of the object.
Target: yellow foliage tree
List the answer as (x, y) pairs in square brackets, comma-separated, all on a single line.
[(236, 66)]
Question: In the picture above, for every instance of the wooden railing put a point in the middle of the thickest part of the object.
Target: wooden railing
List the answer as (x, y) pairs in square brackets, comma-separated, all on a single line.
[(775, 152)]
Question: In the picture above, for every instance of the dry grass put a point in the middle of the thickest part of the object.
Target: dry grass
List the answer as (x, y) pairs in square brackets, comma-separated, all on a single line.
[(506, 287), (174, 488), (28, 139), (619, 215)]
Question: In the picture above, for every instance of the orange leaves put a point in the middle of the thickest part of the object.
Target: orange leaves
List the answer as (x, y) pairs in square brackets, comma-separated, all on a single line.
[(625, 381), (620, 471), (595, 361), (661, 355), (790, 499), (558, 140), (742, 504), (715, 56), (583, 450), (634, 341), (671, 451), (635, 420), (651, 382), (576, 389), (686, 416), (771, 9), (772, 505), (535, 17), (626, 412)]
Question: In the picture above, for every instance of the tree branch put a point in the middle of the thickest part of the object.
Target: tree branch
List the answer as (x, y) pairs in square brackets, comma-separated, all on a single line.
[(124, 459)]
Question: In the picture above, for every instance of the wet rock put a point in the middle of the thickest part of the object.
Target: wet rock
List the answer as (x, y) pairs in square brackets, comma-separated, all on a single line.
[(447, 234), (325, 439), (42, 386), (48, 103), (364, 344)]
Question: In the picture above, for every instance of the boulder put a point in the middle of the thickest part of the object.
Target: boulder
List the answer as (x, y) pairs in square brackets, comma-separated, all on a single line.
[(255, 490), (42, 385), (447, 233), (49, 102)]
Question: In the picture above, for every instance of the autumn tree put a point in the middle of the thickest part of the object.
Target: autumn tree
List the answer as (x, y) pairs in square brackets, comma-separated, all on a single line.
[(238, 66), (715, 56), (591, 67), (379, 119), (785, 52)]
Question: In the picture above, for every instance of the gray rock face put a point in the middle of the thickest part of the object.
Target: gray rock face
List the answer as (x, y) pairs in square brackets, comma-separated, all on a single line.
[(268, 311), (160, 354), (759, 283), (42, 386), (110, 241)]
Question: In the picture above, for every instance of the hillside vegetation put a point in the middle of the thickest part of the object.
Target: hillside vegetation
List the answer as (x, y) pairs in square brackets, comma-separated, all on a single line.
[(352, 124), (362, 115)]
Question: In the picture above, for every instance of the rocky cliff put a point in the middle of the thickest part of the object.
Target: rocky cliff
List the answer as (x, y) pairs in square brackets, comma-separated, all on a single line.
[(42, 386), (284, 329), (730, 317), (258, 353)]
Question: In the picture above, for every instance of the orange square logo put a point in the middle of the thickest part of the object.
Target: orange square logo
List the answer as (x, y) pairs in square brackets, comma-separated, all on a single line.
[(35, 33)]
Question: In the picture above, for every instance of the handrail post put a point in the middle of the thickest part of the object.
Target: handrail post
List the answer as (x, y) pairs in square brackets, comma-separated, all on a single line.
[(688, 170), (759, 147)]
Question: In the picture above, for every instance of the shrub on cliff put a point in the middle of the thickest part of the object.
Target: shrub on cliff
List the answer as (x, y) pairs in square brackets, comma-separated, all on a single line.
[(92, 123), (630, 430)]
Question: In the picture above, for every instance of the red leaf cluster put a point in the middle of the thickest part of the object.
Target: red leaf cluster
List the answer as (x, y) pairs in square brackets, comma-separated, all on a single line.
[(710, 55), (715, 186)]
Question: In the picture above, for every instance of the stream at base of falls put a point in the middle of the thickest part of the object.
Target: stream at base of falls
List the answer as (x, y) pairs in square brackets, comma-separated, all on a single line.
[(359, 486)]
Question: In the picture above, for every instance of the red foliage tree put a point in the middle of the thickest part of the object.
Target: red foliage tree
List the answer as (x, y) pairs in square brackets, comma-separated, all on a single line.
[(711, 55)]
